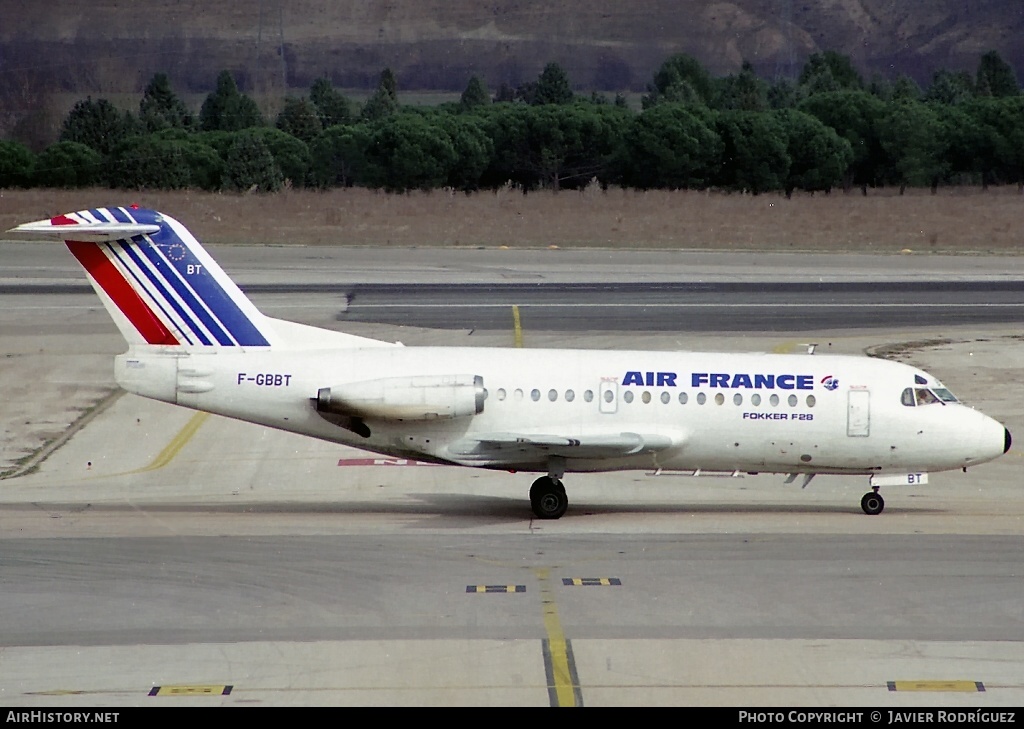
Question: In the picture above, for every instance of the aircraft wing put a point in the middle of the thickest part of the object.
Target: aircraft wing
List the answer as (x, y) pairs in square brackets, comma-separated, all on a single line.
[(523, 446)]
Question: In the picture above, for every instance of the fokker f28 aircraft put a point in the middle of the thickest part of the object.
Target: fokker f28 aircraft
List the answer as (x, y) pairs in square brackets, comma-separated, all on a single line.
[(195, 340)]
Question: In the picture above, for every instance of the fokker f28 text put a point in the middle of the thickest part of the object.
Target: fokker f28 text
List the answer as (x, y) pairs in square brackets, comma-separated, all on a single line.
[(195, 340)]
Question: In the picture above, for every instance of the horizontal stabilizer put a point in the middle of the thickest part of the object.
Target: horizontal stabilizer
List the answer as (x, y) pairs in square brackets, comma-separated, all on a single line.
[(98, 232)]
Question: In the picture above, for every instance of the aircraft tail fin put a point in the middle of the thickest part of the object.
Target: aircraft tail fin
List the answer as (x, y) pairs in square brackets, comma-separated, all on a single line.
[(162, 288)]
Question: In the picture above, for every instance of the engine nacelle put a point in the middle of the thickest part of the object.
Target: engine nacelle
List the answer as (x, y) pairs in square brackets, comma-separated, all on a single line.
[(421, 397)]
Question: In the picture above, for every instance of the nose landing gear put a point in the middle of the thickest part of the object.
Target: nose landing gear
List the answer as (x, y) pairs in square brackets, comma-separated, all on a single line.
[(872, 503)]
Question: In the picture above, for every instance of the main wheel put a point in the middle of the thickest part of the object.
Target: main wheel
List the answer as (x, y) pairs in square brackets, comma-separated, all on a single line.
[(872, 503), (548, 498)]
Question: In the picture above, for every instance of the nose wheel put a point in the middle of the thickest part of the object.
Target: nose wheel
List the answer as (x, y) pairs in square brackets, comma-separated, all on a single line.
[(548, 498), (872, 503)]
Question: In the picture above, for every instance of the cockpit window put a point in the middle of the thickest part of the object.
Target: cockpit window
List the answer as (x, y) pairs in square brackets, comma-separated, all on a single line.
[(913, 396)]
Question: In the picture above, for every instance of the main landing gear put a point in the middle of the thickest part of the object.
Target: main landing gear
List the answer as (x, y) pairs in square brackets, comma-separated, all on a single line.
[(547, 495), (548, 498), (872, 503)]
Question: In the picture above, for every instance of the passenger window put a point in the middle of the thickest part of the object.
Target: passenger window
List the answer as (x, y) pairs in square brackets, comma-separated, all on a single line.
[(907, 398), (588, 395), (535, 395), (811, 401), (665, 398), (552, 395), (518, 394), (719, 398), (682, 398), (792, 401), (646, 397), (737, 399), (501, 393), (570, 395), (608, 395), (755, 399), (628, 396), (774, 400), (701, 398)]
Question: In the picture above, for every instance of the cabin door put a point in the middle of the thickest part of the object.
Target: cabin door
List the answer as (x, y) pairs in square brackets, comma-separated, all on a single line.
[(858, 413)]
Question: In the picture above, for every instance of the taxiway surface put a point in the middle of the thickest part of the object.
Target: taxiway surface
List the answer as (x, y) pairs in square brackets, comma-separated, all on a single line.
[(153, 556)]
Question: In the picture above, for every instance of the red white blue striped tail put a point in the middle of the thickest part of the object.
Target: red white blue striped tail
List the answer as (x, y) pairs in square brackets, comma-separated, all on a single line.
[(158, 283)]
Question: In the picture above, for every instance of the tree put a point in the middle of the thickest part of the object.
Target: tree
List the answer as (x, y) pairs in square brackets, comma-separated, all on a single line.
[(332, 106), (905, 89), (300, 119), (784, 94), (150, 163), (818, 157), (290, 153), (339, 155), (505, 93), (950, 88), (672, 146), (912, 135), (16, 163), (818, 81), (829, 71), (160, 108), (407, 153), (755, 157), (507, 126), (475, 94), (681, 78), (97, 124), (742, 91), (553, 86), (168, 160), (554, 145), (384, 101), (388, 84), (526, 92), (250, 167), (880, 87), (473, 149), (1002, 118), (996, 77), (970, 144), (226, 109), (854, 115), (68, 164)]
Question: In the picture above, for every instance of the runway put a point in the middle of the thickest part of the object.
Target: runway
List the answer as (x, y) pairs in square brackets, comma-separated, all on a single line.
[(159, 557)]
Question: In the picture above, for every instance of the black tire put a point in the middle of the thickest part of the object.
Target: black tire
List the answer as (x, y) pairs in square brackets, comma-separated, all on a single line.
[(872, 503), (548, 498)]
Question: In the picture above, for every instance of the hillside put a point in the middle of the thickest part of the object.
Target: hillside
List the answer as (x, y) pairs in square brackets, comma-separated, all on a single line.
[(115, 46)]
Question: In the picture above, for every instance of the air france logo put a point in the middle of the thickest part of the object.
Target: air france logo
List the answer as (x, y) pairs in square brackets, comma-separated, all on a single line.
[(829, 382), (755, 381), (727, 380), (650, 379)]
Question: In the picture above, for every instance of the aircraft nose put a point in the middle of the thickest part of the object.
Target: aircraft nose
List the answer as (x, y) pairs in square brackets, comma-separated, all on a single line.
[(1007, 440)]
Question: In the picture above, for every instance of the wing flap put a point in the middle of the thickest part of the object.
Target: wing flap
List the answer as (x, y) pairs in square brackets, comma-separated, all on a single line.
[(606, 445)]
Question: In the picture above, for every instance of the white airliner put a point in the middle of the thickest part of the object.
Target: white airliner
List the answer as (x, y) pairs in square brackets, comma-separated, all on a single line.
[(195, 340)]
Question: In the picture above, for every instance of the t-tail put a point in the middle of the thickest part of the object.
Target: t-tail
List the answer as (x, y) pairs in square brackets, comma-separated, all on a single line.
[(163, 289)]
